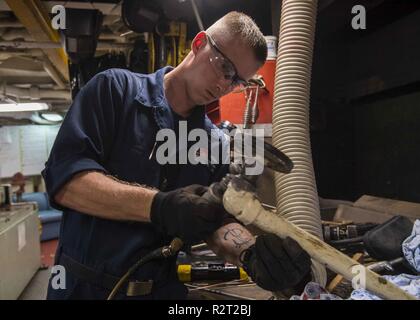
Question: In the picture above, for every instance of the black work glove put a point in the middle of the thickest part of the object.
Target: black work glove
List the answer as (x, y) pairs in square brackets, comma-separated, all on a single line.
[(275, 264), (185, 213)]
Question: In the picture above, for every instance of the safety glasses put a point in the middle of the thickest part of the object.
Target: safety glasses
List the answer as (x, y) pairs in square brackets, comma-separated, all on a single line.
[(224, 67)]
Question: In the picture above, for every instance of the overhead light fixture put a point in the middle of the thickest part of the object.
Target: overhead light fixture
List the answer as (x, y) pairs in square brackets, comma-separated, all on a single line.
[(49, 118), (52, 117), (22, 107)]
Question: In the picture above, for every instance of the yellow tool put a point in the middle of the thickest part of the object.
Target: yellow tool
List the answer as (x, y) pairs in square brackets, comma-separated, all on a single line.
[(209, 271)]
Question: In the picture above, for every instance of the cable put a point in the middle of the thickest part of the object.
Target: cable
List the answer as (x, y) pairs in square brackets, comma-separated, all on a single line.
[(163, 252), (197, 15)]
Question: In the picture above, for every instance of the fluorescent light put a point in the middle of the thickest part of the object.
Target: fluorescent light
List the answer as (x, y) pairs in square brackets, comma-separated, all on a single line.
[(46, 118), (53, 117), (19, 107)]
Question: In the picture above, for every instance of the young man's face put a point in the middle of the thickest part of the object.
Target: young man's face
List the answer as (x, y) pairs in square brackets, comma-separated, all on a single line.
[(221, 65)]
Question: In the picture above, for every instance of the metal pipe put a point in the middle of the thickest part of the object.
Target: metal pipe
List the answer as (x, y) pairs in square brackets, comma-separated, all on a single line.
[(197, 15), (49, 68), (35, 18), (14, 34), (30, 44), (53, 45), (110, 36), (9, 23), (4, 55), (33, 93)]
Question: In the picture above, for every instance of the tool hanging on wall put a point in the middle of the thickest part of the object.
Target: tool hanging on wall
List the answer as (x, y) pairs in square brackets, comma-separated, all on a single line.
[(251, 111), (247, 111), (173, 37), (152, 54), (168, 45)]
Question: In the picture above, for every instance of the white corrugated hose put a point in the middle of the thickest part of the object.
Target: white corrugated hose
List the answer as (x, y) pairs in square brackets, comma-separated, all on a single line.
[(296, 192)]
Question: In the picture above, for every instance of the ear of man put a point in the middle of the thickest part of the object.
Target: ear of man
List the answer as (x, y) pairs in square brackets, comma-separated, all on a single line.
[(199, 42)]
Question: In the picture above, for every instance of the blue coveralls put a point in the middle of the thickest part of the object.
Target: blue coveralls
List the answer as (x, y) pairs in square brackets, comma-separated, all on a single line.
[(111, 128)]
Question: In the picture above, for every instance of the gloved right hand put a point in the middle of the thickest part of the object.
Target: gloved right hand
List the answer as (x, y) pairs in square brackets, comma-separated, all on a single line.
[(276, 264), (186, 214)]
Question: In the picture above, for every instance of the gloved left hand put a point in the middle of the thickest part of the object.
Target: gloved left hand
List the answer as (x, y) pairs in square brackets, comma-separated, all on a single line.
[(275, 264)]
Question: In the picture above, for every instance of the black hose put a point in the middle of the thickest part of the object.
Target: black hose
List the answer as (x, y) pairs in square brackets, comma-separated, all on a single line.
[(159, 253)]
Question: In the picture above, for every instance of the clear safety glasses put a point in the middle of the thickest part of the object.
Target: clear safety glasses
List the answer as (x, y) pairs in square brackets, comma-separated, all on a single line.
[(224, 67)]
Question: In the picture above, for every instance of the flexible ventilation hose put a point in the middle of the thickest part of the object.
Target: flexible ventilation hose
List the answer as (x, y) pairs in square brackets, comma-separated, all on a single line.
[(296, 193)]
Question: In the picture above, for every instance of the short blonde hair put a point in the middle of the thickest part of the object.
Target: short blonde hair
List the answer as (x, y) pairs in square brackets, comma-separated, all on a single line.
[(238, 24)]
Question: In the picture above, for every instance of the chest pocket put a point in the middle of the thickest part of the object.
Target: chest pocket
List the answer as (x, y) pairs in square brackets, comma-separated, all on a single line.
[(130, 156)]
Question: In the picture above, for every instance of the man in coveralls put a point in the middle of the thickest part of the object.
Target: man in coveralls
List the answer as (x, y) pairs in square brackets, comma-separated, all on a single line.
[(119, 203)]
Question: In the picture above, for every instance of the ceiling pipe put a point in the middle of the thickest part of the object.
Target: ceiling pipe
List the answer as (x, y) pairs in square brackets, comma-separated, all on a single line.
[(52, 72), (110, 36), (197, 15), (4, 55), (34, 16), (52, 45), (105, 8), (10, 23), (30, 44), (33, 93), (13, 34)]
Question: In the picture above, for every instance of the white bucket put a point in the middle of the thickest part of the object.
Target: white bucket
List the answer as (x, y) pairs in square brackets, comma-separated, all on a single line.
[(271, 47)]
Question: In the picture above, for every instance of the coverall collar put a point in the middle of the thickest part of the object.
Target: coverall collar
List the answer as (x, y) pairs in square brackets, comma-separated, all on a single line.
[(156, 100)]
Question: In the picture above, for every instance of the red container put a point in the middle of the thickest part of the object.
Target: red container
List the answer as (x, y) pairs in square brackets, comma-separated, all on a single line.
[(231, 107)]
